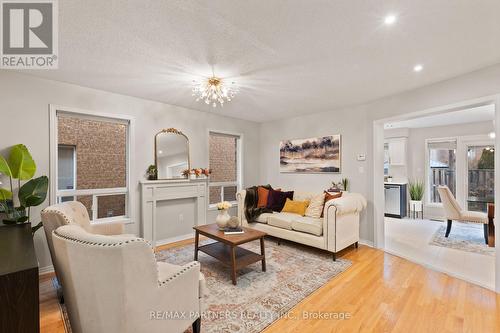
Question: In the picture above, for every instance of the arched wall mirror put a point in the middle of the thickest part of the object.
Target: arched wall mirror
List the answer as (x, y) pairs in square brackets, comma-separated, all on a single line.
[(171, 154)]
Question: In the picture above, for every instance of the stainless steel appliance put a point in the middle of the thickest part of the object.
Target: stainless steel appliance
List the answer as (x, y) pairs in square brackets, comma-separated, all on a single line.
[(395, 200)]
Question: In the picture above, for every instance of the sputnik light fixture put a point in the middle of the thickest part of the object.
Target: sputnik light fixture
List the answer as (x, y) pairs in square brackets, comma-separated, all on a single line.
[(214, 90)]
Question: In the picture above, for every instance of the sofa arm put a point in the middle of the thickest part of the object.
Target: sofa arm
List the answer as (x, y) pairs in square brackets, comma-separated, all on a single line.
[(346, 204), (112, 228), (241, 207)]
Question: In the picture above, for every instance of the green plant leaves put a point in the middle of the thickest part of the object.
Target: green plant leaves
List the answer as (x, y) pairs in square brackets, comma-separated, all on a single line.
[(22, 165), (34, 192), (4, 167), (5, 194), (416, 190)]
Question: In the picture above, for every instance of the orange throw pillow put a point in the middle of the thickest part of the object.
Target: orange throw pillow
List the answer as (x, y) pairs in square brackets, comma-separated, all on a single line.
[(262, 194), (328, 197)]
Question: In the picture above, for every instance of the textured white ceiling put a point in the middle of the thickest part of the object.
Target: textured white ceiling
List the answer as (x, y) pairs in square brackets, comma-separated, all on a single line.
[(289, 57)]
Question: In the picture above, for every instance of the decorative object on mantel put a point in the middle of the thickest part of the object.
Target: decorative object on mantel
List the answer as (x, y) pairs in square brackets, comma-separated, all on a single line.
[(214, 90), (21, 166), (197, 173), (152, 172), (416, 189), (312, 155), (223, 217), (171, 154)]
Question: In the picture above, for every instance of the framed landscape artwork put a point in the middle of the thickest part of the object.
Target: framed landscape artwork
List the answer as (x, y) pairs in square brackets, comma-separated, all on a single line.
[(313, 155)]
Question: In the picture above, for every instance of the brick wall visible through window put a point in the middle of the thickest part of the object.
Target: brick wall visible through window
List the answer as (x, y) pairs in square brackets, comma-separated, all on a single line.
[(223, 161), (101, 160)]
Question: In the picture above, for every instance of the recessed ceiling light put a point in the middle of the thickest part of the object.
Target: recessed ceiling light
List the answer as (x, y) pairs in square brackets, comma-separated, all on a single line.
[(492, 135), (160, 151), (418, 68), (390, 19)]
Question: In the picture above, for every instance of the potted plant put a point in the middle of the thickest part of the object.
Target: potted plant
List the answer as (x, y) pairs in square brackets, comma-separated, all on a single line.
[(223, 217), (20, 166), (152, 172), (345, 184), (416, 189)]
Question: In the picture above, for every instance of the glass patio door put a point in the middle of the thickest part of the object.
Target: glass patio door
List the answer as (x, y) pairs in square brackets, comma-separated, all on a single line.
[(480, 177)]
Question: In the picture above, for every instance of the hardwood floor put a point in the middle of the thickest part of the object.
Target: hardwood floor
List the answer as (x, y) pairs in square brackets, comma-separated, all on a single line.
[(379, 293)]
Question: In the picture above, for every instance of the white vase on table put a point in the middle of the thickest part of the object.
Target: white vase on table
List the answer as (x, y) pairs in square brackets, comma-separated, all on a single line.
[(222, 218)]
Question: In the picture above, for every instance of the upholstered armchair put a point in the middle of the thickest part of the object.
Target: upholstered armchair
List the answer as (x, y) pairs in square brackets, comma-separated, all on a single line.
[(453, 211), (114, 284), (73, 212)]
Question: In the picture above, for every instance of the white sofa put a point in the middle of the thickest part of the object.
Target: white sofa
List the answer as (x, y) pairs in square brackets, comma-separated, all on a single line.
[(338, 229)]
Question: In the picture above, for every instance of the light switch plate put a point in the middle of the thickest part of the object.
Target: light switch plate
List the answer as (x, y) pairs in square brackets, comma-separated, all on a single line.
[(361, 157)]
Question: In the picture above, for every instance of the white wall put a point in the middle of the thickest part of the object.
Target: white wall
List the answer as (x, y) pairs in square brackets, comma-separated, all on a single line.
[(352, 127), (355, 124), (24, 105)]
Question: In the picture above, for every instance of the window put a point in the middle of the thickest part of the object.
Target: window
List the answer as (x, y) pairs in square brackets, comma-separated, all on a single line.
[(442, 167), (480, 177), (224, 162), (92, 163), (386, 159)]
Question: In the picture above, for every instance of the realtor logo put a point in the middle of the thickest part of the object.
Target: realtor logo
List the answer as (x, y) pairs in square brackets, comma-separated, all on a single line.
[(29, 34)]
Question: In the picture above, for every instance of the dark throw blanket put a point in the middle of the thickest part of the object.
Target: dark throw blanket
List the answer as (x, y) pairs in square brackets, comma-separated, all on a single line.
[(252, 212)]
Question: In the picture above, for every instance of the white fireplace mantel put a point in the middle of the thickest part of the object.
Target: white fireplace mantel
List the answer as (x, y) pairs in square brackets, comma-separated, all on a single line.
[(153, 191)]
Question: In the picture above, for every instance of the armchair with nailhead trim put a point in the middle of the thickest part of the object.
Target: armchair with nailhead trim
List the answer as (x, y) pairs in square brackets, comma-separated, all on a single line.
[(72, 212), (114, 284)]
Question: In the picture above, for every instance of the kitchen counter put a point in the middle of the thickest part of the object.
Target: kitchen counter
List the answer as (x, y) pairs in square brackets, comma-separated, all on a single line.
[(395, 183)]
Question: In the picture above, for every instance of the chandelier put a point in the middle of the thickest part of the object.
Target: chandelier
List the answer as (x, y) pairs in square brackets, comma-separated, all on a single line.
[(214, 90)]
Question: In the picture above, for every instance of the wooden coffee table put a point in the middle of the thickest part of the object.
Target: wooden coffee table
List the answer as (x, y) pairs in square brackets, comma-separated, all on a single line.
[(226, 249)]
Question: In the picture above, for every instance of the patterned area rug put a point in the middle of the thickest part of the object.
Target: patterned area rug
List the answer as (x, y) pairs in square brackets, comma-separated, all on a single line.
[(464, 237), (293, 272)]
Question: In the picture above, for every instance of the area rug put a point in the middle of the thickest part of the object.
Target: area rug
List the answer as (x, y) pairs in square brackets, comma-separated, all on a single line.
[(293, 272), (463, 237)]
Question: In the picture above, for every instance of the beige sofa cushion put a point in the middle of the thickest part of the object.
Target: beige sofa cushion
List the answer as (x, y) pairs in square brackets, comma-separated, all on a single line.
[(263, 217), (308, 225), (282, 220), (316, 205)]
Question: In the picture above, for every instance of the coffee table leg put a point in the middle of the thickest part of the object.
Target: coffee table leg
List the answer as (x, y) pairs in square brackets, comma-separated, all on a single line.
[(233, 264), (196, 241), (263, 253)]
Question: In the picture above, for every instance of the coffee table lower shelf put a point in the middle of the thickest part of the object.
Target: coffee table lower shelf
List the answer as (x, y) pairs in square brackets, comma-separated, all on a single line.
[(222, 252)]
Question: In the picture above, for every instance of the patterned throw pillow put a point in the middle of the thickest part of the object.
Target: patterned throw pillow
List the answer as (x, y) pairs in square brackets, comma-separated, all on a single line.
[(329, 197), (296, 207), (316, 206)]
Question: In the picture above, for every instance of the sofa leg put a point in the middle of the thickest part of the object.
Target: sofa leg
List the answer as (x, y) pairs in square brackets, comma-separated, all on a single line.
[(448, 228), (197, 326), (279, 241), (334, 256), (356, 245)]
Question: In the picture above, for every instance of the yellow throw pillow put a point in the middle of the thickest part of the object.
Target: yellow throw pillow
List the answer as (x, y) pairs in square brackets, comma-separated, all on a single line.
[(296, 207)]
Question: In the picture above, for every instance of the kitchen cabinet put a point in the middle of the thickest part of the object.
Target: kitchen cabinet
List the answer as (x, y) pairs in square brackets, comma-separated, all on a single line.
[(397, 151)]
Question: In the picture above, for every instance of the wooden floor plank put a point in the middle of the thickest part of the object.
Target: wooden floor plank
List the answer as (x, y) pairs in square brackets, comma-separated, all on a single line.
[(380, 292)]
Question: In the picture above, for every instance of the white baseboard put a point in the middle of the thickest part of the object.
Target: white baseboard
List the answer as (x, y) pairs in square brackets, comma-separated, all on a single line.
[(174, 239), (45, 270), (366, 242)]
